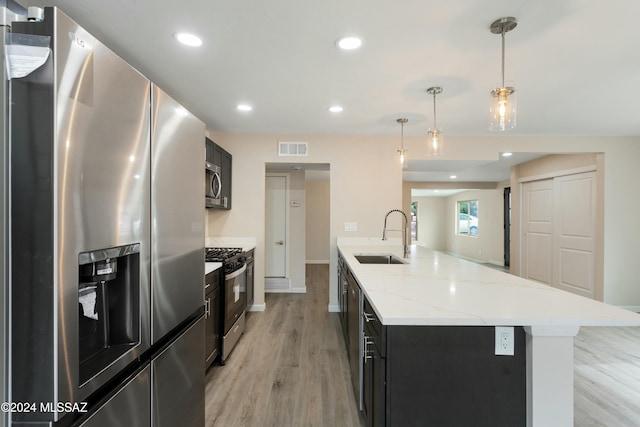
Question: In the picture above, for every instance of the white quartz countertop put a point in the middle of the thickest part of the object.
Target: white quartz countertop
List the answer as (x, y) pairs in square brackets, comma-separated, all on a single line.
[(438, 289), (211, 266)]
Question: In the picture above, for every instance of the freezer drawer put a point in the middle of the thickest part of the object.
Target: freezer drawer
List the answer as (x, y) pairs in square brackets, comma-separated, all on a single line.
[(130, 406), (177, 381)]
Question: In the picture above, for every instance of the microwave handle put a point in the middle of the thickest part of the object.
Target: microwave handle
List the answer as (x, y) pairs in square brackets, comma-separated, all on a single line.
[(216, 178)]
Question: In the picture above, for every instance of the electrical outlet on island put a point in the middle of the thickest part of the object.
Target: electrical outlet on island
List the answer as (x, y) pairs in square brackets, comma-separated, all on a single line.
[(504, 340)]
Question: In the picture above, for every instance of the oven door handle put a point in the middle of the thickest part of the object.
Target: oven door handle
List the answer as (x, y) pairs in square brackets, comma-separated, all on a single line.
[(236, 273)]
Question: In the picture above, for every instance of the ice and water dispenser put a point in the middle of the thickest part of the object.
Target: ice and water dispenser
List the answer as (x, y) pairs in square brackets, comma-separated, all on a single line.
[(108, 305)]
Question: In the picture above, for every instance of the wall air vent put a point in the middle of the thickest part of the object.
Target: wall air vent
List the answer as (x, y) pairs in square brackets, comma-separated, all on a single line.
[(293, 149)]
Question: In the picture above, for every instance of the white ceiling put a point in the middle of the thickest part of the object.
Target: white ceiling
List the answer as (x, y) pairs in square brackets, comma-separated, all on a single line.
[(575, 63)]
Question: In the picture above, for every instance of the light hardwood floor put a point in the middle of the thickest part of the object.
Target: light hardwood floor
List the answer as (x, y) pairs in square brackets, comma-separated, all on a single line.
[(291, 369), (607, 377)]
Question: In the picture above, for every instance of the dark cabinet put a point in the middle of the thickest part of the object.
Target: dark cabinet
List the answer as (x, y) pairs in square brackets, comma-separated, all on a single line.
[(209, 144), (218, 156), (223, 159), (250, 280), (374, 368), (354, 342), (440, 375), (343, 296), (213, 311)]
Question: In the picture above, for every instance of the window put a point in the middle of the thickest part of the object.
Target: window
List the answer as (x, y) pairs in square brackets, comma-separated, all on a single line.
[(468, 217), (414, 221)]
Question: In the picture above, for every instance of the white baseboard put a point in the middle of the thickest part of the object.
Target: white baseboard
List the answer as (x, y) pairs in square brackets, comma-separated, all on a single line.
[(276, 284), (317, 261), (333, 308), (258, 307), (634, 308), (286, 291)]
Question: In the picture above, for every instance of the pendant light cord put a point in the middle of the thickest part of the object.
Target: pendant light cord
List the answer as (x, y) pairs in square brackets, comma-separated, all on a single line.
[(435, 126), (503, 57)]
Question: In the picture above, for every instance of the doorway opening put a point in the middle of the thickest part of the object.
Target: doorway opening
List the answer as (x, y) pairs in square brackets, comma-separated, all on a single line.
[(297, 230)]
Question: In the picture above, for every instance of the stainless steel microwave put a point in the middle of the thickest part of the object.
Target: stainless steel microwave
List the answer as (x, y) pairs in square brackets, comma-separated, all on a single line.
[(212, 185)]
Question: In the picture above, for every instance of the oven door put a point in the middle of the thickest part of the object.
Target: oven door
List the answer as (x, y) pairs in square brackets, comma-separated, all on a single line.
[(212, 185), (234, 296)]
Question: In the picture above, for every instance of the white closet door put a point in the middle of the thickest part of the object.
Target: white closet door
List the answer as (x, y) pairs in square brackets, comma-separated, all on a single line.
[(574, 234), (537, 228)]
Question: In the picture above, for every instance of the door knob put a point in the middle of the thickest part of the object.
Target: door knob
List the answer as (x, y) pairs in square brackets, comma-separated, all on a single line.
[(280, 242)]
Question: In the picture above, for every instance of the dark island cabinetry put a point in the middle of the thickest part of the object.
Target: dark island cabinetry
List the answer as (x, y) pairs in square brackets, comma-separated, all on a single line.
[(440, 376)]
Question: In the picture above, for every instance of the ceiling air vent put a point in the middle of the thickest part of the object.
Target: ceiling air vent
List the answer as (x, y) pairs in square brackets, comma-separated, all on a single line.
[(295, 149)]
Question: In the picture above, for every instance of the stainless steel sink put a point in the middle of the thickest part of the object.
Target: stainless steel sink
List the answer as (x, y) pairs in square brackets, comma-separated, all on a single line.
[(379, 259)]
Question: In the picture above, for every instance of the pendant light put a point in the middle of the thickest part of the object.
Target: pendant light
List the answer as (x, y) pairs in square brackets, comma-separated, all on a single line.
[(435, 143), (402, 150), (503, 97)]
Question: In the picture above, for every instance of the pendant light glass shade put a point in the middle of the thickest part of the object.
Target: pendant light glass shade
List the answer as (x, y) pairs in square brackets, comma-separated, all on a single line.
[(402, 150), (435, 141), (503, 108), (503, 98)]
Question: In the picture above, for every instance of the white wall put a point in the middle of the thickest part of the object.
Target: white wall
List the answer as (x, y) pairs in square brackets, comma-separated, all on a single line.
[(432, 218), (363, 168), (488, 245), (318, 199), (367, 167)]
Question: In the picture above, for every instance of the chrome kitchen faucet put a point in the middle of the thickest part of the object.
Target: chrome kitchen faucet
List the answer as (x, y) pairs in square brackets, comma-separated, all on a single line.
[(405, 237)]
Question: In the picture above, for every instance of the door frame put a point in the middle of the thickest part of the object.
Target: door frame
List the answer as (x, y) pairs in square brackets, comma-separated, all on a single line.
[(287, 272)]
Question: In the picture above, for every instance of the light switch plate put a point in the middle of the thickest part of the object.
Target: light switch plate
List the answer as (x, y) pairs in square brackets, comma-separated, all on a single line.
[(504, 340), (350, 226)]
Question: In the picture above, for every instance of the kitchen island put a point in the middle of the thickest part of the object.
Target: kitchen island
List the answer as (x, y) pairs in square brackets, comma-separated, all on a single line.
[(432, 289)]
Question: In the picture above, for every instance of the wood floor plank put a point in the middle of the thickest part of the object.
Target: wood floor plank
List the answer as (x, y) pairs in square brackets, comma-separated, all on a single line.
[(291, 369), (607, 377)]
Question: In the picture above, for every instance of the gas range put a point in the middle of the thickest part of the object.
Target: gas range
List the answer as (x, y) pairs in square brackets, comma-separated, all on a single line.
[(231, 258)]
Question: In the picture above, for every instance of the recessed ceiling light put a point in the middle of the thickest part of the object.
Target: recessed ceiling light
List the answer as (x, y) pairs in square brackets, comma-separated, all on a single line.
[(507, 154), (335, 109), (453, 177), (244, 107), (188, 39), (348, 43)]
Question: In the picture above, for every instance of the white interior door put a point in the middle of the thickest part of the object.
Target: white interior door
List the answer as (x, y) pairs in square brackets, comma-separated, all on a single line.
[(574, 236), (559, 232), (537, 237), (276, 226)]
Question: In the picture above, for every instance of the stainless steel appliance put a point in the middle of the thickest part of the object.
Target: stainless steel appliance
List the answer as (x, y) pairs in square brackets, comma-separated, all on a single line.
[(177, 265), (79, 188), (233, 295), (107, 235), (10, 11), (213, 185)]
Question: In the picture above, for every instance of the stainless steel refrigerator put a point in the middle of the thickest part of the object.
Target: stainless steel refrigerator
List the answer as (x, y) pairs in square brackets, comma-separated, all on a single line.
[(107, 236)]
